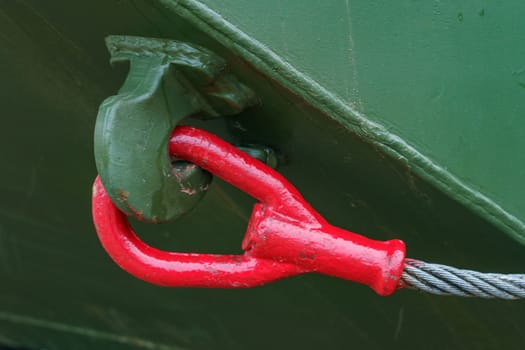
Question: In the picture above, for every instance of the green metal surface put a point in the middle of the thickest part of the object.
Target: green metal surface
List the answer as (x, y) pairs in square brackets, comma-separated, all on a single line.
[(59, 290)]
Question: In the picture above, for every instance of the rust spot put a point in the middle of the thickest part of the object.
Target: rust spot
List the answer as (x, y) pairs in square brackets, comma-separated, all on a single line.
[(177, 175), (185, 172), (211, 89), (188, 191), (123, 197)]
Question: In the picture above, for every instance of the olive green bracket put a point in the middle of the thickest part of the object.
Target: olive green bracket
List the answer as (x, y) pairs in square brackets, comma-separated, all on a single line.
[(167, 82)]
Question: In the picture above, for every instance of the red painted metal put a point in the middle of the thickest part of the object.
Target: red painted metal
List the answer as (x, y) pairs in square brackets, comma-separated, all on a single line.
[(285, 235)]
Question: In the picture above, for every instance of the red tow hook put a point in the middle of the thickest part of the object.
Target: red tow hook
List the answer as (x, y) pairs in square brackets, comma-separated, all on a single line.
[(285, 235)]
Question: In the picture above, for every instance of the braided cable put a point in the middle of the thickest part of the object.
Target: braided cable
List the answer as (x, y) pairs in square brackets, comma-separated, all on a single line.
[(447, 280)]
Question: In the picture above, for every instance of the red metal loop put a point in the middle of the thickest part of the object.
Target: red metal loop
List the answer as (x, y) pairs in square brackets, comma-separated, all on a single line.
[(285, 236)]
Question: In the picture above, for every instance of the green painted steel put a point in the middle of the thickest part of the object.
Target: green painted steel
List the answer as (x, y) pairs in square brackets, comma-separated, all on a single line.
[(167, 82), (59, 289)]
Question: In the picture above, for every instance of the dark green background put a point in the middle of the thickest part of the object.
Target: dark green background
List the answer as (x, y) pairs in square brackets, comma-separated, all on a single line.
[(59, 289)]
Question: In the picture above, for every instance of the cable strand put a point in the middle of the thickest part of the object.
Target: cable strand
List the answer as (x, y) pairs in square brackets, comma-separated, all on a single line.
[(448, 280)]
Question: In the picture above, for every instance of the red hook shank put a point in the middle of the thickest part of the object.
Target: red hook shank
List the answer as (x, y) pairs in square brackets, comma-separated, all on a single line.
[(285, 235)]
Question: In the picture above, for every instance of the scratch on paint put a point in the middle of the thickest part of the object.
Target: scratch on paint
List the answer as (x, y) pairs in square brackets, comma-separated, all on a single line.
[(400, 318), (51, 27), (9, 252), (85, 332), (111, 317), (284, 32), (231, 204), (354, 94), (34, 178)]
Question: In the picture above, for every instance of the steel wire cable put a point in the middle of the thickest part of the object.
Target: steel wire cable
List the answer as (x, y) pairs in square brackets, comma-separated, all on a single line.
[(447, 280)]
